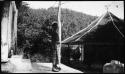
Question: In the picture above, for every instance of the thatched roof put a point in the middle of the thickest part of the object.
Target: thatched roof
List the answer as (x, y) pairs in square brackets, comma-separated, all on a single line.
[(103, 21)]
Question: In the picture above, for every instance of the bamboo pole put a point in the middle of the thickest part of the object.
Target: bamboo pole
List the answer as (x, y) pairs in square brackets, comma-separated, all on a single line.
[(59, 32)]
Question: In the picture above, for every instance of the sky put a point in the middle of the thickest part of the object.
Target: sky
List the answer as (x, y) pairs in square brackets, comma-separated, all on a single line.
[(95, 8)]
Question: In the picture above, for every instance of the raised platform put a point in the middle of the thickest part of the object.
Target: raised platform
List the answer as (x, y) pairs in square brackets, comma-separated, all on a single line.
[(47, 68), (18, 65)]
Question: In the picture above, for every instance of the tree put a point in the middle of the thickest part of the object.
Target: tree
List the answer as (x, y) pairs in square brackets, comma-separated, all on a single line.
[(32, 25)]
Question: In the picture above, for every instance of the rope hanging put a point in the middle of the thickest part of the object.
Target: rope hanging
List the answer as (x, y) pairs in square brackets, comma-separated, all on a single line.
[(79, 31), (92, 27), (97, 24)]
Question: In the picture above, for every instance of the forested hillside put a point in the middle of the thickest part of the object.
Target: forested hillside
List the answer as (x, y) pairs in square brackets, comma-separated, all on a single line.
[(31, 22)]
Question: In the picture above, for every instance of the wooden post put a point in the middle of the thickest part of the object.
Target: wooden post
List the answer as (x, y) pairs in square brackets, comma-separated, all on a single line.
[(15, 26), (82, 52), (59, 32), (10, 18), (80, 48)]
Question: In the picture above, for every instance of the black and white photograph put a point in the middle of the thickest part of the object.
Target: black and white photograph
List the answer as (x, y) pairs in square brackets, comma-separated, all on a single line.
[(62, 36)]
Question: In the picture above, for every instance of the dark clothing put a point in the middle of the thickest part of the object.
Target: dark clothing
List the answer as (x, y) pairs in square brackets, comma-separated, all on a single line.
[(54, 42), (54, 35), (55, 39), (55, 57)]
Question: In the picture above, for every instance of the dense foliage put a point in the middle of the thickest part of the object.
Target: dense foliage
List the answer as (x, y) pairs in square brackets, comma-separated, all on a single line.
[(32, 21)]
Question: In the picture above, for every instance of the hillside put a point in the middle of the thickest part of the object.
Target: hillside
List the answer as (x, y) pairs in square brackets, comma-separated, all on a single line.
[(72, 21), (31, 22)]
